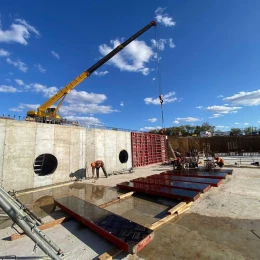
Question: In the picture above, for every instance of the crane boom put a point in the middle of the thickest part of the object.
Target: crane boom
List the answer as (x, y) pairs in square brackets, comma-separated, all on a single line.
[(45, 111)]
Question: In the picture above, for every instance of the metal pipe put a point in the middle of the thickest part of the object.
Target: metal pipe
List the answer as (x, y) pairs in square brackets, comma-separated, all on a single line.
[(30, 221), (20, 218)]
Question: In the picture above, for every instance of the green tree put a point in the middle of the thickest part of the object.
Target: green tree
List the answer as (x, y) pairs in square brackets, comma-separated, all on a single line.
[(235, 131)]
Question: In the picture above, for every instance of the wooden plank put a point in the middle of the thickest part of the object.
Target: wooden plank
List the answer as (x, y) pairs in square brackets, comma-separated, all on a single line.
[(42, 189), (128, 194), (163, 221), (121, 197), (43, 227), (177, 208), (112, 253)]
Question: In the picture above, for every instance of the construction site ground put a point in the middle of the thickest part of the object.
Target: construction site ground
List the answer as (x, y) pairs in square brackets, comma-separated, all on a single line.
[(224, 223)]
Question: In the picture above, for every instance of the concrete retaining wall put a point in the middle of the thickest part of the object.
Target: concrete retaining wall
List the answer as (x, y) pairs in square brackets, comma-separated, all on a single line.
[(74, 147)]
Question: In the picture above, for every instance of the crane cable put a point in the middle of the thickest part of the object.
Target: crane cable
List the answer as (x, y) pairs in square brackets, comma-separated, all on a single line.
[(159, 76)]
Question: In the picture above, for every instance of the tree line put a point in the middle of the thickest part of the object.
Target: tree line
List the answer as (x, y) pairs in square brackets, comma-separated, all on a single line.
[(190, 130)]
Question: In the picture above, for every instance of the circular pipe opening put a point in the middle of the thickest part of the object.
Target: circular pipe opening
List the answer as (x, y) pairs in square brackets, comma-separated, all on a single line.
[(123, 156), (45, 164)]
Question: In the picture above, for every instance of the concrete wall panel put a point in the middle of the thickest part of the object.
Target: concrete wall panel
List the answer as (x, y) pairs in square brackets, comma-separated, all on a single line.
[(99, 144), (74, 147), (110, 158), (2, 148), (18, 155)]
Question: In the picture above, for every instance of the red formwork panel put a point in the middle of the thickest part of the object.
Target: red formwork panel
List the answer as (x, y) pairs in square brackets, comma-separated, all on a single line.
[(126, 234), (148, 148), (159, 190), (200, 187), (212, 182)]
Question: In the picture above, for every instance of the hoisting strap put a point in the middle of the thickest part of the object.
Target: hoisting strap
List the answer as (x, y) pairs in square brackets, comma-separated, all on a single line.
[(159, 75)]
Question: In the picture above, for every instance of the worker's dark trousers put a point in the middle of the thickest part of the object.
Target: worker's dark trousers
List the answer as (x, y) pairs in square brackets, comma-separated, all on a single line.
[(104, 171)]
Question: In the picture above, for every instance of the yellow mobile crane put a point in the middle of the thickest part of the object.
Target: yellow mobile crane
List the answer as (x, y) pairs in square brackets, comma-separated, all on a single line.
[(47, 114)]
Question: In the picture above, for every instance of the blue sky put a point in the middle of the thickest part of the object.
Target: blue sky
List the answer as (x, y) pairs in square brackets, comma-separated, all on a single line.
[(209, 61)]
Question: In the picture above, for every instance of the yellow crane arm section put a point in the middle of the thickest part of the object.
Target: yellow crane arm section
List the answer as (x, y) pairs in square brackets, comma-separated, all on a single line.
[(45, 111), (62, 92)]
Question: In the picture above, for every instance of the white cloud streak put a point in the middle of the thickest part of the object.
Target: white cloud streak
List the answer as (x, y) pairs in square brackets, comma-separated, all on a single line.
[(168, 98), (163, 18), (18, 64), (19, 82), (100, 73), (47, 91), (199, 107), (152, 120), (216, 115), (186, 119), (7, 89), (22, 107), (55, 54), (19, 32), (122, 104), (222, 109), (150, 128), (171, 44), (245, 98), (40, 68), (84, 119), (132, 59), (4, 53)]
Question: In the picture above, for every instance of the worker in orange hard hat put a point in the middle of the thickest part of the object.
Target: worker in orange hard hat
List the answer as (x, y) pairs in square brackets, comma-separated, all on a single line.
[(96, 165), (219, 161)]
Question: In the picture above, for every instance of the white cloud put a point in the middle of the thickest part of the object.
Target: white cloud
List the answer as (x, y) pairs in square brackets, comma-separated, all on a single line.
[(19, 32), (199, 107), (133, 58), (176, 122), (166, 99), (75, 97), (245, 98), (19, 82), (160, 44), (236, 123), (18, 64), (100, 73), (47, 91), (222, 109), (187, 119), (4, 53), (7, 89), (171, 44), (246, 123), (220, 96), (152, 120), (153, 78), (55, 54), (163, 18), (149, 128), (82, 108), (122, 104), (216, 115), (84, 119), (220, 126), (40, 68), (22, 107)]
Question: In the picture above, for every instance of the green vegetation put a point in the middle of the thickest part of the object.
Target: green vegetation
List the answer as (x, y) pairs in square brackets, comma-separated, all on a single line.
[(189, 130)]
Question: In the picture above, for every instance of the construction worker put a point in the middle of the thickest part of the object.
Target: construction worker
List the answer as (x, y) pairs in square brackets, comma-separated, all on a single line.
[(96, 165), (219, 161)]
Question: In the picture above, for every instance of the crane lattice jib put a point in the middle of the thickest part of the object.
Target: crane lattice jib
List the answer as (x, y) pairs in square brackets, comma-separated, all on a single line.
[(86, 73)]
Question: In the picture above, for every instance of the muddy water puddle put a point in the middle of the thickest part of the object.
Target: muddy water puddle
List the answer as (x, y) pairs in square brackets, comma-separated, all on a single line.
[(141, 209)]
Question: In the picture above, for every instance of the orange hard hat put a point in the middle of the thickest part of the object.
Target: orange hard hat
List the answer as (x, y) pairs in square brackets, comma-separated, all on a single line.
[(93, 164)]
